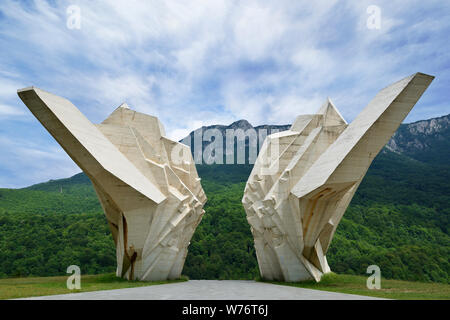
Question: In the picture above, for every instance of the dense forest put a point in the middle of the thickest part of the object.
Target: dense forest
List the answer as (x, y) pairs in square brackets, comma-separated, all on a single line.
[(398, 220)]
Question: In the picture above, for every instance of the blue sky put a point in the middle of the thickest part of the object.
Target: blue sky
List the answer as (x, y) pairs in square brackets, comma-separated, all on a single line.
[(194, 63)]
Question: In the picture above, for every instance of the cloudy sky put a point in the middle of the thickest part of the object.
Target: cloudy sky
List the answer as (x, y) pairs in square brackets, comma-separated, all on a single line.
[(194, 63)]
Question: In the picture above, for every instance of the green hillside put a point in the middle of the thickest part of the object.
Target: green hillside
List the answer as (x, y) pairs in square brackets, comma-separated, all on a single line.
[(398, 220)]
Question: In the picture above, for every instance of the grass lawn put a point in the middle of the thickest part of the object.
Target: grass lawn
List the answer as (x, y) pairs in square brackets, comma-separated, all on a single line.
[(391, 289), (30, 287)]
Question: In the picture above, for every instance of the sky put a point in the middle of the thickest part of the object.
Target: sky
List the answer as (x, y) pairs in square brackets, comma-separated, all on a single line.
[(195, 63)]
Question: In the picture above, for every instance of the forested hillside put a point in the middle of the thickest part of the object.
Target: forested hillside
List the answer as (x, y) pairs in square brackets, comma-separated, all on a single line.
[(398, 219)]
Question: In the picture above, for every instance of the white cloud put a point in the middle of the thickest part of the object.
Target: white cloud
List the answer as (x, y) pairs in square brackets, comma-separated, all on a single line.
[(257, 29), (9, 111), (27, 162), (214, 62)]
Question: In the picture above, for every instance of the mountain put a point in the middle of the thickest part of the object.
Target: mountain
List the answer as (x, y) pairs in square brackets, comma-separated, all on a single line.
[(398, 219), (240, 124), (425, 140), (260, 133)]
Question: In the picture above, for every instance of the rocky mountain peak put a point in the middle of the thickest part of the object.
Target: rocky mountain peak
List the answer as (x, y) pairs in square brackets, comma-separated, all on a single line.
[(430, 126), (424, 140), (240, 124)]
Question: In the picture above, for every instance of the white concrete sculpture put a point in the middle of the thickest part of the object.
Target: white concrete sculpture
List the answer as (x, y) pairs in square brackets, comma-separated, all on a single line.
[(304, 178), (147, 184)]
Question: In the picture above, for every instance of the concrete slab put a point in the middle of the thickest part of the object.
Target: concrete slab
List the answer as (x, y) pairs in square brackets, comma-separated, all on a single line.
[(208, 290)]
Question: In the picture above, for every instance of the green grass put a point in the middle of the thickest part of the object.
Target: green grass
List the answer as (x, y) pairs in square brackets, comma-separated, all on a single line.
[(41, 286), (391, 289)]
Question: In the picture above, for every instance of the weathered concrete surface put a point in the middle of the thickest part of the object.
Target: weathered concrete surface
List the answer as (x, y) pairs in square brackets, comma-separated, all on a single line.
[(209, 290), (304, 179), (147, 184)]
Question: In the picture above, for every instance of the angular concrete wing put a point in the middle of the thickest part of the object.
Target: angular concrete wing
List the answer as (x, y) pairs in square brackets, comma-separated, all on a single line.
[(147, 184), (305, 178)]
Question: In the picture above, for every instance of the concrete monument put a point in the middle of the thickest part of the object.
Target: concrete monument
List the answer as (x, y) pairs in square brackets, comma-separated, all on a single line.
[(147, 184), (304, 179)]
